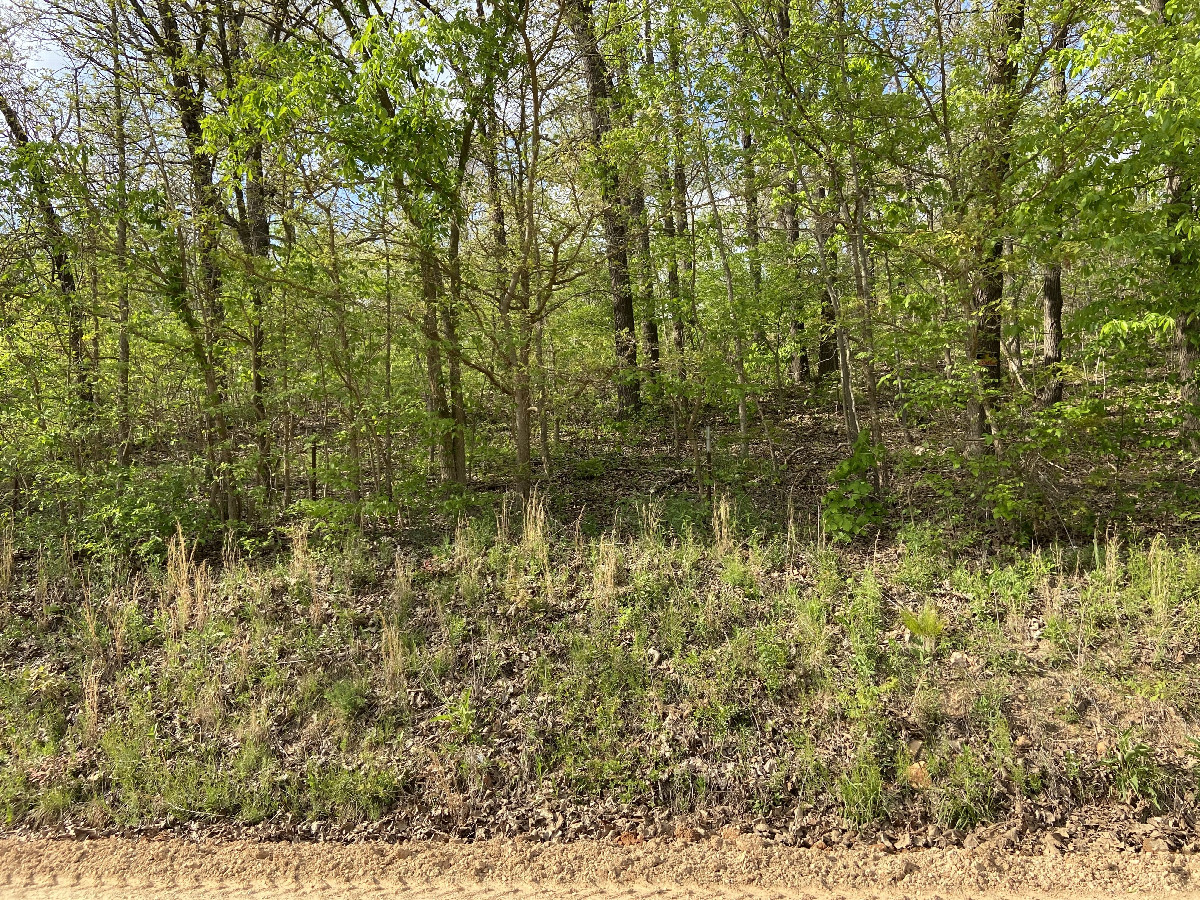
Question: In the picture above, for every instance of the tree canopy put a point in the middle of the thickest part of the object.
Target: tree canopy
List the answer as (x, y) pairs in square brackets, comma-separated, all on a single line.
[(342, 258)]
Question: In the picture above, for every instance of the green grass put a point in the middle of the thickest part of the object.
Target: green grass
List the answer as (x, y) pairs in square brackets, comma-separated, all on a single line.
[(654, 666)]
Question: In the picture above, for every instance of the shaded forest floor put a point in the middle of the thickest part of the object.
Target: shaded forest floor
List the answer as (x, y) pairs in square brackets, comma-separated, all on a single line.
[(1057, 478), (619, 659)]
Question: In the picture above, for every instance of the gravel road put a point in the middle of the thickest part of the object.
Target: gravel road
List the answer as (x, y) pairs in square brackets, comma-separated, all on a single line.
[(720, 868)]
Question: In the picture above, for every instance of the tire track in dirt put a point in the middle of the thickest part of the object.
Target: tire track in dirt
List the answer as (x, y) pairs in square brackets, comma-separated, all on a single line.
[(741, 868)]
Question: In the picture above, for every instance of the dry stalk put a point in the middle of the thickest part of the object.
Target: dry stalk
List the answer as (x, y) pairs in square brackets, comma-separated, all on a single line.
[(91, 702), (722, 525), (394, 658), (8, 555)]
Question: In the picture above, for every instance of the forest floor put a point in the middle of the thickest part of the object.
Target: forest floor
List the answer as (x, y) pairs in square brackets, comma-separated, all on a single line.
[(621, 662), (737, 868)]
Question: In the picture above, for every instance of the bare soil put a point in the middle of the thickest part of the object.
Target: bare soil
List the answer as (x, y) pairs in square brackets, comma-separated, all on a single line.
[(719, 867)]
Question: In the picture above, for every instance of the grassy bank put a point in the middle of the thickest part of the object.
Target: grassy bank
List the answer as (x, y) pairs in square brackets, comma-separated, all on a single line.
[(523, 677)]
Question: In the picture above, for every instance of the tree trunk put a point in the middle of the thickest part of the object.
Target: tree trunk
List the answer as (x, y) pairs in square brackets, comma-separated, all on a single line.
[(645, 267), (677, 207), (1180, 198), (449, 315), (988, 291), (614, 207), (435, 397), (1052, 296), (121, 246), (59, 250), (1052, 305), (210, 212), (259, 249), (739, 350), (1187, 322)]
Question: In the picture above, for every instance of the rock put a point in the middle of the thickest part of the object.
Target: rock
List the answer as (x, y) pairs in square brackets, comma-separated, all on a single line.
[(1155, 845)]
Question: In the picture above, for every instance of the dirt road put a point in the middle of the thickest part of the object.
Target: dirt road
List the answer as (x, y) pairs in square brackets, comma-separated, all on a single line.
[(712, 869)]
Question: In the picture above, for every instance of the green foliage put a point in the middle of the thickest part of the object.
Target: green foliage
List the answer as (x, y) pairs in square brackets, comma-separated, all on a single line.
[(851, 504), (348, 696), (966, 794), (862, 789), (926, 626), (1134, 771)]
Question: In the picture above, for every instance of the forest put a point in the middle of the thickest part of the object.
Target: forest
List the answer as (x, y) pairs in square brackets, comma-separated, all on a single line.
[(678, 402)]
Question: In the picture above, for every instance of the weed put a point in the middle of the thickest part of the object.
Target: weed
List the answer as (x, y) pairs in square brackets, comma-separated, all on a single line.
[(967, 795), (650, 524), (41, 592), (921, 557), (460, 716), (862, 620), (394, 657), (7, 560), (926, 626), (1193, 748), (1134, 771), (348, 697), (91, 624), (861, 788), (402, 588), (91, 702), (534, 528), (302, 575), (606, 573)]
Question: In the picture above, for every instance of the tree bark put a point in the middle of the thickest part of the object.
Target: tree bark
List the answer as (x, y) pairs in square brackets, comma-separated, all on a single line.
[(614, 206), (58, 247), (1180, 199), (988, 290), (1052, 295), (435, 396), (121, 246), (210, 213), (259, 249)]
